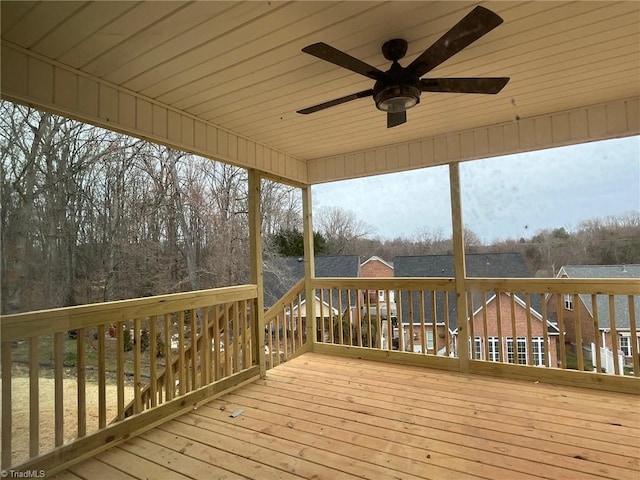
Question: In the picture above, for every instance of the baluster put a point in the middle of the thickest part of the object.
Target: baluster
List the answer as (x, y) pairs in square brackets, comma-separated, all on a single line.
[(34, 398), (81, 379), (120, 368), (170, 384), (153, 368), (596, 330), (102, 377), (137, 367), (578, 331), (634, 336), (423, 330), (527, 300)]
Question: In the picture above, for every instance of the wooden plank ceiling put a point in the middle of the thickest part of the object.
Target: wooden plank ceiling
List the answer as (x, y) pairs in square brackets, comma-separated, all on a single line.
[(240, 65)]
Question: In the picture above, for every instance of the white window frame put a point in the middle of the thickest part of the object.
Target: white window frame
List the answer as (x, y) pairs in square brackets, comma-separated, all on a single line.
[(494, 349), (430, 344), (626, 345), (538, 351), (478, 352), (568, 301), (521, 350)]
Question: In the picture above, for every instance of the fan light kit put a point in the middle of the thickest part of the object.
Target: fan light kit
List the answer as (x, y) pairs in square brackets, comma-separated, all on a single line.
[(399, 88)]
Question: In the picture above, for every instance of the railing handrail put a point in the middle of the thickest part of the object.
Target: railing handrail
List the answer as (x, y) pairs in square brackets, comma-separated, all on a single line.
[(283, 302), (446, 284), (47, 322), (599, 286)]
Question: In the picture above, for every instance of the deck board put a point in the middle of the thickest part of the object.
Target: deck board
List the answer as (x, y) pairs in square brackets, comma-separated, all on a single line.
[(328, 417)]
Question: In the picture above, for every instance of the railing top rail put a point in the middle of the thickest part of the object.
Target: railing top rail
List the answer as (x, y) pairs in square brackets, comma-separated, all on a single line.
[(387, 283), (603, 286), (46, 322), (287, 298)]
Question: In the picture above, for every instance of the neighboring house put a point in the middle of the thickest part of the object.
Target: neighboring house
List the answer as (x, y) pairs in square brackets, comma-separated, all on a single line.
[(490, 265), (488, 346), (283, 273), (321, 308), (584, 309), (376, 267)]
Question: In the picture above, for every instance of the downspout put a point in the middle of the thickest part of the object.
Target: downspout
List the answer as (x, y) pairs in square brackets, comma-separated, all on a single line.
[(459, 267)]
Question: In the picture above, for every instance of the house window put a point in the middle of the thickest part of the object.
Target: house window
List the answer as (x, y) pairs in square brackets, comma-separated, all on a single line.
[(477, 348), (538, 351), (494, 349), (521, 350), (429, 340), (625, 346), (568, 301)]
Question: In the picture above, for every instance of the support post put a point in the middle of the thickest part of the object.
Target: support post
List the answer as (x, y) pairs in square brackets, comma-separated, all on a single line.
[(257, 274), (309, 267), (459, 266)]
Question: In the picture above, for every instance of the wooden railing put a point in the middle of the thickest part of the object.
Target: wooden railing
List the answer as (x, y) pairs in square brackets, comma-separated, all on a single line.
[(586, 322), (218, 320), (111, 351), (387, 315), (148, 360), (511, 323), (285, 327)]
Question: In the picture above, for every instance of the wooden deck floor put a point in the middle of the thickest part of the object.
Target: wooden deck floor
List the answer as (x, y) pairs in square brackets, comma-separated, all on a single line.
[(331, 418)]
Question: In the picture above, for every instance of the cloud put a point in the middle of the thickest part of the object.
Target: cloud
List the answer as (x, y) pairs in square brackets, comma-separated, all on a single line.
[(503, 197)]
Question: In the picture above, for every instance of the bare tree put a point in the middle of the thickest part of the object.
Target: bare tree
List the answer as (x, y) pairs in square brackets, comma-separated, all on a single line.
[(341, 227)]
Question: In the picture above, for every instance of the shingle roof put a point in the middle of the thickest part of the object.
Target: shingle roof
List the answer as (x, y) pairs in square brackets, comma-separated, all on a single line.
[(490, 265), (621, 302), (283, 272)]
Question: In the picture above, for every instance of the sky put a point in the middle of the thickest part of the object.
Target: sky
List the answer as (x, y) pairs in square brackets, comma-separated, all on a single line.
[(504, 197)]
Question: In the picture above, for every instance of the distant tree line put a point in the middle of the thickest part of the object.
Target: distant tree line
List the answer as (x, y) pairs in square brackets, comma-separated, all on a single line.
[(88, 215), (598, 241)]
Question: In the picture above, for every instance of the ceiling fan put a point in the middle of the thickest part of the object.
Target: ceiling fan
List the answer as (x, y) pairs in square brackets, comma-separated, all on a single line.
[(398, 89)]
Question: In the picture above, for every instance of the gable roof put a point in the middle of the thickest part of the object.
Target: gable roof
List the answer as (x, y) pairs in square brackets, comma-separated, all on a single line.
[(329, 308), (282, 273), (621, 302), (375, 258), (552, 327), (490, 265)]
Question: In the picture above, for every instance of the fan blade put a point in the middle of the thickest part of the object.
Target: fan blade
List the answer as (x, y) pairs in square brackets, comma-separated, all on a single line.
[(477, 23), (395, 119), (337, 101), (337, 57), (463, 85)]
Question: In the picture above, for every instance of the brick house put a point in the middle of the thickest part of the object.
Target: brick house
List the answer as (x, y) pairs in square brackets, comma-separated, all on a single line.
[(376, 267), (584, 309), (489, 347)]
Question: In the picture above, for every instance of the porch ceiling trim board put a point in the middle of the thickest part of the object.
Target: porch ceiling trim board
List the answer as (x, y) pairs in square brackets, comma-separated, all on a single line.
[(32, 79), (614, 119)]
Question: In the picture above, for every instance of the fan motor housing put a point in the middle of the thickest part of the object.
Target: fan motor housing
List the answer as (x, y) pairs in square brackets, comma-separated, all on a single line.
[(396, 97)]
